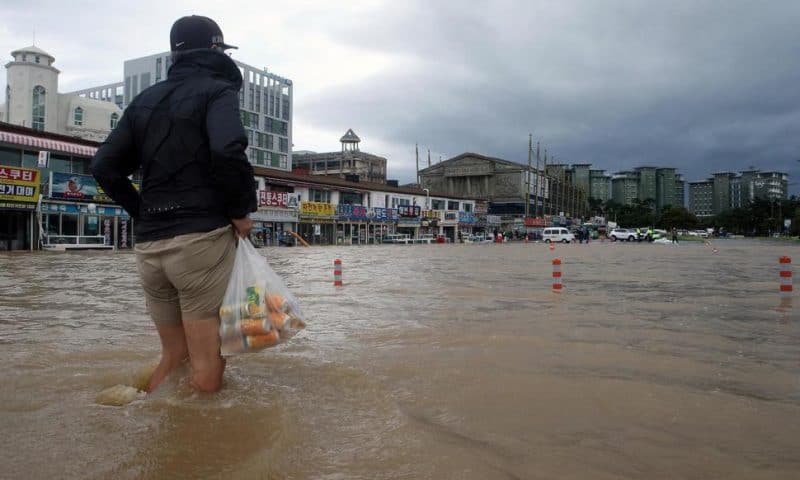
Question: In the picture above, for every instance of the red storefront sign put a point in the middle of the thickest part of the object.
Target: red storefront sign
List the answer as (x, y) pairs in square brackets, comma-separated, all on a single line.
[(535, 222)]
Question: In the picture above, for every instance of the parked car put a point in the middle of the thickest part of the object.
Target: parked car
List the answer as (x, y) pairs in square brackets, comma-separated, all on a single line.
[(622, 234), (698, 233), (557, 234)]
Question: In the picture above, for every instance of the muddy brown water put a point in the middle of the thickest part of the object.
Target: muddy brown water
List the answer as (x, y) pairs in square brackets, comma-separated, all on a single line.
[(439, 361)]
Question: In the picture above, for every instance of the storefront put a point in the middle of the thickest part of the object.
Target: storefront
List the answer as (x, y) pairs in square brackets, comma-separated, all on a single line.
[(408, 220), (276, 216), (382, 222), (317, 223), (430, 222), (449, 225), (77, 211), (19, 195), (351, 224), (466, 222)]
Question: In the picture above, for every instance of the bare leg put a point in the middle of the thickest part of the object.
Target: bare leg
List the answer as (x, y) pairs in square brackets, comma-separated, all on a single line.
[(202, 338), (173, 352)]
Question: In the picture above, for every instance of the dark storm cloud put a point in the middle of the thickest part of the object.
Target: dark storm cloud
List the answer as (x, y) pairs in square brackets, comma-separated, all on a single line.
[(701, 86)]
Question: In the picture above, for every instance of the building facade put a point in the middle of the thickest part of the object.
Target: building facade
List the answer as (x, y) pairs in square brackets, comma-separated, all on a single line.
[(729, 190), (32, 100), (680, 190), (599, 185), (350, 162), (265, 100), (647, 189), (112, 92), (501, 183), (665, 188), (625, 187), (701, 198)]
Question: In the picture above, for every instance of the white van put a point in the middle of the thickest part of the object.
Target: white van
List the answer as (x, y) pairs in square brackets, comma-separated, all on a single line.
[(557, 234)]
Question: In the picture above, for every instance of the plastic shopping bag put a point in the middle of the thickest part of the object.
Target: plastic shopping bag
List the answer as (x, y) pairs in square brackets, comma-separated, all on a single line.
[(258, 311)]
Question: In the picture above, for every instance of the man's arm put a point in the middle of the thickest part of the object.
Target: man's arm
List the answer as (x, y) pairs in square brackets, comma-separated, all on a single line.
[(229, 166), (114, 162)]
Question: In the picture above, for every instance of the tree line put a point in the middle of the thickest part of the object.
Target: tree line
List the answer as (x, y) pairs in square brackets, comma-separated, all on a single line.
[(760, 217)]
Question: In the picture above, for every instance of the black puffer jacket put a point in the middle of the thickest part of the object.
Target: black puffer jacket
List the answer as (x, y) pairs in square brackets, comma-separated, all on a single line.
[(186, 134)]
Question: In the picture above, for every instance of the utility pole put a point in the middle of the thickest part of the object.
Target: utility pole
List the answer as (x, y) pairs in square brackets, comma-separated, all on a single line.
[(416, 149), (530, 173), (538, 186), (429, 157), (547, 186)]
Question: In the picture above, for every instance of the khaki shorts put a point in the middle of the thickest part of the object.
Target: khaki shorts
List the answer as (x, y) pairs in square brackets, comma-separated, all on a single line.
[(185, 277)]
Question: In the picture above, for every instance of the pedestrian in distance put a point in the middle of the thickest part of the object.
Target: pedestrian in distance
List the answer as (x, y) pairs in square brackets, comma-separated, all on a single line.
[(186, 137), (674, 235)]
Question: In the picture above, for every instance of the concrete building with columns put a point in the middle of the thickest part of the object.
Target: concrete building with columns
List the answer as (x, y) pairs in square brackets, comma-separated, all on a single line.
[(32, 100)]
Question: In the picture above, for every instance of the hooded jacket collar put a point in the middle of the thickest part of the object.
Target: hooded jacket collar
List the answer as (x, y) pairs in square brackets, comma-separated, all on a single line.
[(205, 61)]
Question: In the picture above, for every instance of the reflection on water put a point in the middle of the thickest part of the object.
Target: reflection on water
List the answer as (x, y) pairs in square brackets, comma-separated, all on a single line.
[(440, 361)]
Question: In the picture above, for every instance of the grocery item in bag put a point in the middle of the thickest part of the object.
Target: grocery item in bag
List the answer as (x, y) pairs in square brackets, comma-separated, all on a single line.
[(258, 311)]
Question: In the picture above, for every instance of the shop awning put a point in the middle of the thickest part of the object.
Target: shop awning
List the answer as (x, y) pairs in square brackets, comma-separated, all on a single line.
[(47, 144)]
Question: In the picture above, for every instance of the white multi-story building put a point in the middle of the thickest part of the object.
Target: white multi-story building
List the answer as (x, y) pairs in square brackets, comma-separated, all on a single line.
[(32, 100), (265, 102)]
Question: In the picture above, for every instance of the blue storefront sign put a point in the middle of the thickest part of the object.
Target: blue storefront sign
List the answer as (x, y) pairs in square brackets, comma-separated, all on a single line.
[(466, 217), (74, 208), (356, 213), (380, 214)]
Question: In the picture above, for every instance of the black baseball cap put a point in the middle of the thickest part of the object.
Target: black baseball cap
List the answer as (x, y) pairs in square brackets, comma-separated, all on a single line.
[(195, 31)]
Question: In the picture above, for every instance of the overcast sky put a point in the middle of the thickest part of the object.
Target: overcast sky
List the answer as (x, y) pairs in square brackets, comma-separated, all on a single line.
[(702, 86)]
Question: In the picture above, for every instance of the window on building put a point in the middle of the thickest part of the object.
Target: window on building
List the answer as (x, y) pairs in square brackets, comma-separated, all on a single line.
[(10, 157), (468, 207), (452, 205), (270, 142), (258, 98), (285, 109), (158, 69), (60, 163), (24, 58), (284, 145), (114, 120), (323, 196), (36, 59), (39, 94), (78, 118), (437, 204), (350, 198)]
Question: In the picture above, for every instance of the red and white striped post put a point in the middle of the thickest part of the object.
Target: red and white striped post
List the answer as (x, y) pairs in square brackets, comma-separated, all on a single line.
[(337, 273), (786, 276), (557, 275)]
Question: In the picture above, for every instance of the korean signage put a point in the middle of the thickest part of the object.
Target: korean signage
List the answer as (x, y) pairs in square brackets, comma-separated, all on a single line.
[(493, 219), (409, 210), (317, 209), (535, 222), (268, 198), (19, 187), (72, 208), (379, 214), (274, 215), (81, 188), (466, 217), (351, 212)]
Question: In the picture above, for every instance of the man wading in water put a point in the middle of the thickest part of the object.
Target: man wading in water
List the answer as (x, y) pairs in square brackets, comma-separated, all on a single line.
[(186, 135)]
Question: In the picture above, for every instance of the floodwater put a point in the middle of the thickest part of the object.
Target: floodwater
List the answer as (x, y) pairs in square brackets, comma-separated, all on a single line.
[(436, 361)]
